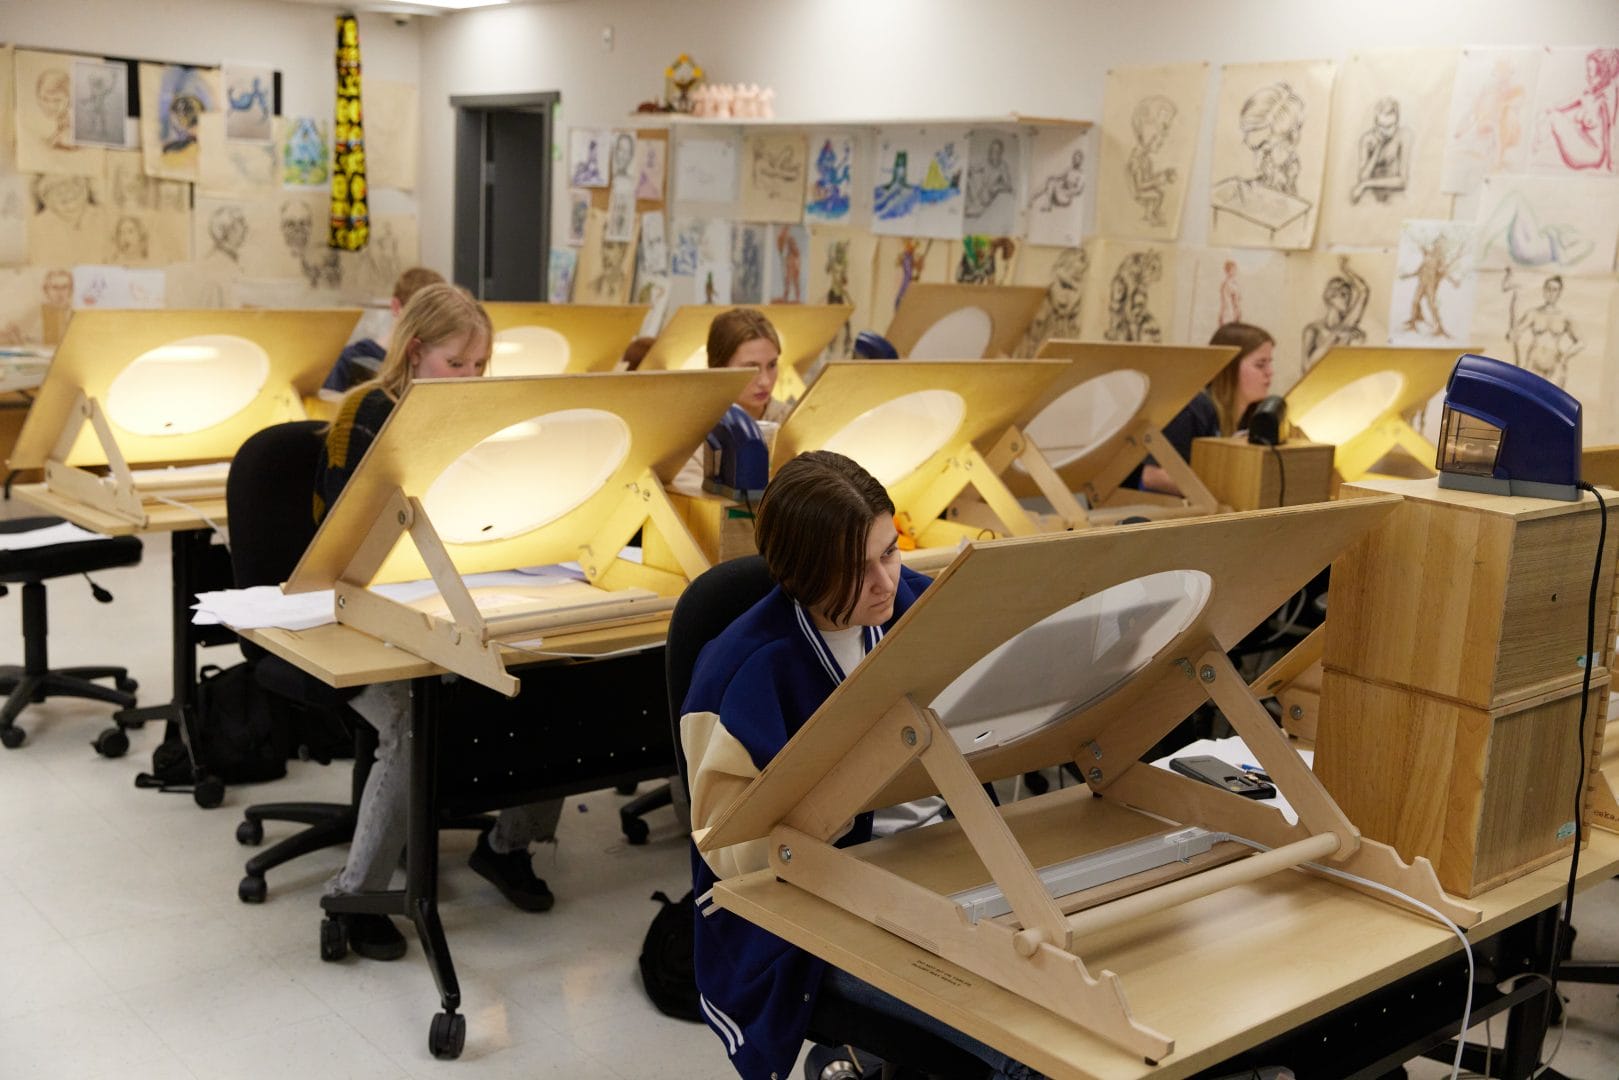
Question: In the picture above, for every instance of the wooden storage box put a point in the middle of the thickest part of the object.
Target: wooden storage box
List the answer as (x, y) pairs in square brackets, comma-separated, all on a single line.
[(722, 528), (1477, 598), (1244, 476), (1486, 794)]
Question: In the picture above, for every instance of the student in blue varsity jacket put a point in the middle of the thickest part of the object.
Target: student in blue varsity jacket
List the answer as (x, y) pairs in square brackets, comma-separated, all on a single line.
[(826, 531)]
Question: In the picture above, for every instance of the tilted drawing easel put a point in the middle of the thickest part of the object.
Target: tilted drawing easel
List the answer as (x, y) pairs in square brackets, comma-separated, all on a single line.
[(913, 425), (933, 321), (556, 468), (805, 331), (133, 388), (1106, 414), (1082, 648), (1358, 398), (550, 339)]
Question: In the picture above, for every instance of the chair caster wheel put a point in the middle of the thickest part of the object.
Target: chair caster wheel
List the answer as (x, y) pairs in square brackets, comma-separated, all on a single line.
[(251, 889), (635, 830), (626, 788), (128, 686), (12, 737), (1036, 783), (334, 939), (250, 833), (208, 792), (447, 1036), (112, 743)]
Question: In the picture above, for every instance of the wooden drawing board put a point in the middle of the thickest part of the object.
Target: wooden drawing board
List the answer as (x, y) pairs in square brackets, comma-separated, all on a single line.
[(805, 331), (550, 339), (979, 663), (300, 346), (1357, 398), (1107, 412), (934, 320), (920, 446), (553, 468)]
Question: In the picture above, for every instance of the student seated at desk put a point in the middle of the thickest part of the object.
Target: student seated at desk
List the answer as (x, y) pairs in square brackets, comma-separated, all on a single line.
[(826, 531), (443, 332), (1222, 407), (359, 360), (741, 338)]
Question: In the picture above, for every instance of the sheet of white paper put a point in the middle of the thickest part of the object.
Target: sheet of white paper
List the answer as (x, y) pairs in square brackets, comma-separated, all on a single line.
[(64, 533)]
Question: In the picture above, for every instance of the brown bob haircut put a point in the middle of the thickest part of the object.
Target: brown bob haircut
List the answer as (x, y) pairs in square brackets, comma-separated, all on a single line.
[(733, 329), (813, 521)]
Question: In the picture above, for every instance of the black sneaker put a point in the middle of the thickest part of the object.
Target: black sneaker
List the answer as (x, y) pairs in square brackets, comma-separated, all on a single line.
[(513, 874), (375, 937)]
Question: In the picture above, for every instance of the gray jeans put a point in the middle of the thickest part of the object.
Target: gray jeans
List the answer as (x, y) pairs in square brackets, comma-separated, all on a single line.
[(379, 832)]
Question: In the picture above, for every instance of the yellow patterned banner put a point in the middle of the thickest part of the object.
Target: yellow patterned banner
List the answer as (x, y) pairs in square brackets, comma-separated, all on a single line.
[(351, 220)]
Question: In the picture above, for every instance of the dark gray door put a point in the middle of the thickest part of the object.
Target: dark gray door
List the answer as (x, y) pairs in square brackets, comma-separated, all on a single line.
[(503, 194)]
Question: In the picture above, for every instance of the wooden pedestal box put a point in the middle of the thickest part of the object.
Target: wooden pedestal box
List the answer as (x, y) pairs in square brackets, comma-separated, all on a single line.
[(1244, 476), (1486, 795), (722, 528), (1477, 598)]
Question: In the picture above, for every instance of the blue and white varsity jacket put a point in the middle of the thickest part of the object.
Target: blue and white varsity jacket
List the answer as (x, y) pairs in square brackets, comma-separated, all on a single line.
[(753, 687)]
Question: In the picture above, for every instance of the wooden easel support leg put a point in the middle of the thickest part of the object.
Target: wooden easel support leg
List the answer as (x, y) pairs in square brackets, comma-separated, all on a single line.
[(1016, 446), (1193, 489)]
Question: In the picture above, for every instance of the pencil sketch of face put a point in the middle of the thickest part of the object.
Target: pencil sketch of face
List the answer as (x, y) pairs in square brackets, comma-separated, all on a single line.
[(129, 239), (173, 195), (997, 151), (297, 225), (63, 197), (131, 190), (623, 154), (54, 92), (58, 289), (228, 229)]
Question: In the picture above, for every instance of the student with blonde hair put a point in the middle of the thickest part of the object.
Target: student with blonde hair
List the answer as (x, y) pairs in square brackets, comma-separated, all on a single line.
[(442, 333), (1222, 408)]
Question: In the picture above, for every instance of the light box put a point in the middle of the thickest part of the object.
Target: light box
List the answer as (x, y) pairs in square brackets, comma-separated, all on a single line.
[(962, 322), (912, 425), (1080, 649), (805, 331), (1357, 399), (480, 474), (553, 339)]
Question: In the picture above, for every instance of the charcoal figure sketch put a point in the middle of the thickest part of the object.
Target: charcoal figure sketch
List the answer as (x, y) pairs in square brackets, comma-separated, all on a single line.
[(1344, 299), (100, 102), (1272, 123), (778, 169), (1150, 122), (837, 292), (1059, 311), (1543, 338), (748, 265), (1129, 294), (1061, 189), (1384, 162), (1438, 266), (989, 179)]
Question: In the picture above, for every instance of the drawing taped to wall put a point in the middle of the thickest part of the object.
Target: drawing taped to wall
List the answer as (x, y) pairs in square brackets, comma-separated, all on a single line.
[(705, 170), (714, 274), (1432, 300), (650, 158), (773, 170), (900, 262), (621, 210), (587, 158), (1058, 183), (1061, 309), (1388, 112), (994, 166), (841, 268), (305, 153), (43, 84), (173, 99), (686, 240), (1150, 119), (919, 185), (621, 160), (748, 263), (1558, 326), (1223, 285), (1576, 114), (578, 213), (829, 193), (987, 260), (1330, 301), (1550, 223), (788, 280), (652, 255), (1488, 129), (233, 168), (66, 226), (250, 103), (100, 102), (559, 275), (1269, 152), (1133, 286)]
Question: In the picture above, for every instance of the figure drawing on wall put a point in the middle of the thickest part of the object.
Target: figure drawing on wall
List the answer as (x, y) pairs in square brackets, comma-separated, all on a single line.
[(1129, 294), (1438, 265), (984, 259), (1230, 294), (1343, 306), (1585, 129), (1543, 338), (1063, 189), (913, 257), (748, 265), (1272, 124), (900, 198), (1150, 122), (1059, 313), (837, 292), (829, 185), (989, 179), (790, 258), (1384, 163)]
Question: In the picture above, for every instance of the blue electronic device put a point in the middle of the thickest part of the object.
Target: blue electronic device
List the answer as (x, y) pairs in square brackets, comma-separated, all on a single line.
[(1507, 431), (870, 346), (741, 460)]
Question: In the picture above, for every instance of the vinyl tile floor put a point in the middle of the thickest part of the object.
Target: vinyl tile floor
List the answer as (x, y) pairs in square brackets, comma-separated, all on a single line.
[(125, 953)]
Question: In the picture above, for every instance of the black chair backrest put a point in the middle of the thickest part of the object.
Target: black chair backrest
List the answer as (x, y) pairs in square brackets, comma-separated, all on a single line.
[(269, 497), (712, 602)]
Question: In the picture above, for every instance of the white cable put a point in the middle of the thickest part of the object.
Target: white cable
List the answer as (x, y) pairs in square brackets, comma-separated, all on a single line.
[(219, 530), (1461, 935)]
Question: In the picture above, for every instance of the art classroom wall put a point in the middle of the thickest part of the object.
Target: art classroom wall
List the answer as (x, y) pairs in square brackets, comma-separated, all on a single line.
[(293, 38)]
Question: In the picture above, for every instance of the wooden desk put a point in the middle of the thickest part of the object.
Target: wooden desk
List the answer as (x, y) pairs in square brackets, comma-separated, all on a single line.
[(195, 513), (1224, 973)]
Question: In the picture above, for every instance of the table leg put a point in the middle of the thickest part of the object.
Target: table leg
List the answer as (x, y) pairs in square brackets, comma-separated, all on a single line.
[(447, 1034)]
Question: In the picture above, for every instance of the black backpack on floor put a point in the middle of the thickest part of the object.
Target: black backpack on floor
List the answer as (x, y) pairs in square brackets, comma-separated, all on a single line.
[(668, 969)]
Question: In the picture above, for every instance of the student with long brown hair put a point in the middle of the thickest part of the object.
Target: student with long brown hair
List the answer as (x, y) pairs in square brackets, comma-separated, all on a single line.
[(1222, 407), (442, 333), (742, 338), (826, 532)]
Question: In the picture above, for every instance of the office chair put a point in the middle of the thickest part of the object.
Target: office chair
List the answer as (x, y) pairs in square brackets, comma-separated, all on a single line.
[(35, 680), (711, 603), (269, 500)]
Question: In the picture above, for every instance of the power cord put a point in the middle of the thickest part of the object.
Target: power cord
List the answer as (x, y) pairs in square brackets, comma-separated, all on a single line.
[(1281, 476), (1587, 663)]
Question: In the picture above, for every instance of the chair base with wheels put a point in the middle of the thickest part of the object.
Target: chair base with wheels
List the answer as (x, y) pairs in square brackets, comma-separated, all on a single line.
[(35, 680)]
